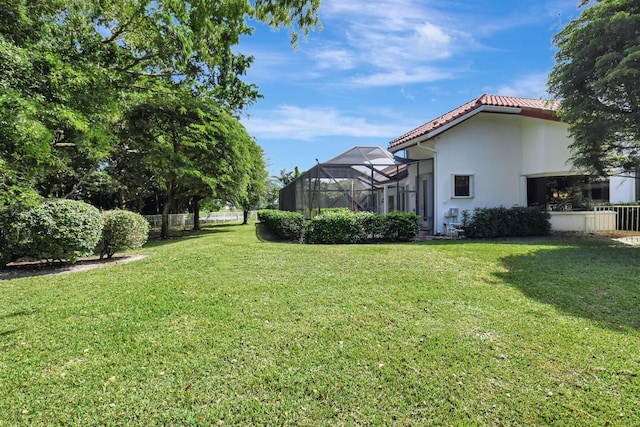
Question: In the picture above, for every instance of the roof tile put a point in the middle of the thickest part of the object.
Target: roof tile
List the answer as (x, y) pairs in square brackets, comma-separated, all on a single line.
[(532, 105)]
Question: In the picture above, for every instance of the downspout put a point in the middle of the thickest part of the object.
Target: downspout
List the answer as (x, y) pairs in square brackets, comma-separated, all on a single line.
[(420, 144)]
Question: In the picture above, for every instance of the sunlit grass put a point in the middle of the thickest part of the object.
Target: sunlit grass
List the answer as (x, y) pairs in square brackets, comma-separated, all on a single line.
[(222, 328)]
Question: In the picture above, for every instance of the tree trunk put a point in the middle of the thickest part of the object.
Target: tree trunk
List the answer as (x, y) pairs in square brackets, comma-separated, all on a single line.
[(164, 230), (245, 214), (195, 203)]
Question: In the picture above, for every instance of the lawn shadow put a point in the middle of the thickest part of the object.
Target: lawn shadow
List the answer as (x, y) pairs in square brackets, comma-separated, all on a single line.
[(182, 235), (7, 316), (595, 280)]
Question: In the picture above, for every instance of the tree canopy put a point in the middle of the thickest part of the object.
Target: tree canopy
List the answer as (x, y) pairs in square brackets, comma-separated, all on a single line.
[(84, 81), (596, 79)]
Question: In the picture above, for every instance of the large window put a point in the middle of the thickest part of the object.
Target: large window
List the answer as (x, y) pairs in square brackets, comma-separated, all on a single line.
[(567, 192), (462, 185)]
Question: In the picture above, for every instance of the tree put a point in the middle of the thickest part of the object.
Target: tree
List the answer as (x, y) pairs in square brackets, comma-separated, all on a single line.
[(596, 79), (183, 146), (256, 182), (69, 70), (285, 178)]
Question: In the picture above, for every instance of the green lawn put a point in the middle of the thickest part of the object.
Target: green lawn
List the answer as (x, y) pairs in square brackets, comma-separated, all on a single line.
[(222, 328)]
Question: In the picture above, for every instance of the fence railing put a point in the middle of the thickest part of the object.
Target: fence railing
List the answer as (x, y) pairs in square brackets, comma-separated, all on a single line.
[(185, 221), (616, 218)]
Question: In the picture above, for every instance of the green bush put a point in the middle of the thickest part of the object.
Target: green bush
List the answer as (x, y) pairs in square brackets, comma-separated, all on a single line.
[(342, 226), (122, 230), (401, 226), (9, 235), (333, 227), (505, 222), (285, 224), (372, 225), (57, 230)]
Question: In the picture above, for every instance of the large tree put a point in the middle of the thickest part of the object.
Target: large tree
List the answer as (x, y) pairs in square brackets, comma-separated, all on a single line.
[(596, 79), (69, 70), (183, 147)]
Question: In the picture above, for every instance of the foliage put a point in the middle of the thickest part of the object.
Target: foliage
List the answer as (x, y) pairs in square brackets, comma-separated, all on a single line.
[(71, 70), (595, 78), (53, 230), (122, 230), (339, 226), (285, 178), (401, 226), (505, 222), (9, 234), (186, 148), (255, 191), (287, 225)]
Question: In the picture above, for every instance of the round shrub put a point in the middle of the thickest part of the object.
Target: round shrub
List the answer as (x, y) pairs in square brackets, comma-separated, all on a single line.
[(122, 230), (402, 226), (59, 229)]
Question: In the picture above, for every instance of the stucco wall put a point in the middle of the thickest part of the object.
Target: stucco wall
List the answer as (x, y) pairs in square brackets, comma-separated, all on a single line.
[(499, 151), (621, 189), (487, 147), (545, 147)]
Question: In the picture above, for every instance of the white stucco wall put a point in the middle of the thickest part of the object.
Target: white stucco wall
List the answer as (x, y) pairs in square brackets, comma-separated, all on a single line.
[(621, 189), (488, 147), (499, 151), (545, 147)]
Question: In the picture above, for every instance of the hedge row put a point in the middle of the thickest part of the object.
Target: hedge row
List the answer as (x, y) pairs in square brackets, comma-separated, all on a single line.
[(342, 226), (506, 222), (66, 230), (286, 225)]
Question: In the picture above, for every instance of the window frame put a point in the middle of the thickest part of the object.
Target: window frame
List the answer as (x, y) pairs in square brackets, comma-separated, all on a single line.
[(454, 187)]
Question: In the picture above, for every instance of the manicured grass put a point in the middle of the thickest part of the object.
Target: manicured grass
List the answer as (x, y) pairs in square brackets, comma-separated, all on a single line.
[(222, 328)]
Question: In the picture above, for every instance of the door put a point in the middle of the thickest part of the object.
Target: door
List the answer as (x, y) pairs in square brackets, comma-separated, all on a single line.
[(425, 209)]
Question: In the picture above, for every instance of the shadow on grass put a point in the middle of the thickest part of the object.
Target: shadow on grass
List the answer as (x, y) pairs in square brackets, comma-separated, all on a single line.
[(596, 281), (181, 235), (19, 313)]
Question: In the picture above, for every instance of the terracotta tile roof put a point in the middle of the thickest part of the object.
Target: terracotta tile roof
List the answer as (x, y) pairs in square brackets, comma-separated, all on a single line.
[(528, 106)]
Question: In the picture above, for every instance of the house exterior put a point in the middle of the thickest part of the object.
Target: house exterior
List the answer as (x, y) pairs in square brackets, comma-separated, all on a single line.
[(498, 151)]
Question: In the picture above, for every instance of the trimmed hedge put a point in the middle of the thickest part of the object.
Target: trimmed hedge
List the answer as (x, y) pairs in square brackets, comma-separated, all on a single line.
[(333, 227), (401, 226), (506, 222), (285, 224), (337, 226), (10, 235), (122, 230)]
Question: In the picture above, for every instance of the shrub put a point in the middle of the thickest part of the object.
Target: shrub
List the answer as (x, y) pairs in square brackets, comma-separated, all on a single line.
[(401, 226), (333, 227), (122, 230), (503, 222), (371, 224), (285, 224), (9, 236), (57, 229)]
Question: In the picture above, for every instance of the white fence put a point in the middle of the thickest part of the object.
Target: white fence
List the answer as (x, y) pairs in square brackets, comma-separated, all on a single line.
[(185, 221), (618, 218)]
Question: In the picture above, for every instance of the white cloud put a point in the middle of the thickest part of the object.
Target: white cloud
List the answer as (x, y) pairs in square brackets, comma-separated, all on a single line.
[(530, 86), (334, 58), (396, 42), (293, 122), (397, 77)]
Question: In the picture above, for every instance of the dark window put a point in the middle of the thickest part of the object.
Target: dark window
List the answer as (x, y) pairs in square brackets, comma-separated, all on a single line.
[(462, 185)]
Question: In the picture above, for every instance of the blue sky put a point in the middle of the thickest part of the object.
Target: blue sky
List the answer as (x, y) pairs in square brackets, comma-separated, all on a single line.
[(379, 69)]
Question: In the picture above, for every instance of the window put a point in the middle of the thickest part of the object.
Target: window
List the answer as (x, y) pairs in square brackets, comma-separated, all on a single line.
[(462, 185)]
